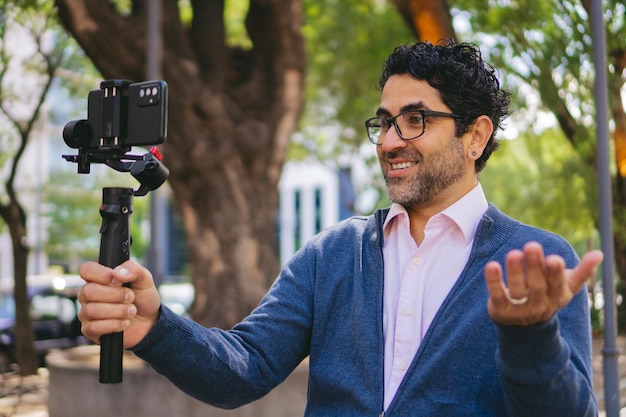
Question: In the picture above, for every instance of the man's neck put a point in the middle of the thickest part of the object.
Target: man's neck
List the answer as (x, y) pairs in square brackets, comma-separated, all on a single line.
[(421, 214)]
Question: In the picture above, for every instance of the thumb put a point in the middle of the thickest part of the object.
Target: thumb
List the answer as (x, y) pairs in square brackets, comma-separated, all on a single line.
[(585, 269), (134, 275)]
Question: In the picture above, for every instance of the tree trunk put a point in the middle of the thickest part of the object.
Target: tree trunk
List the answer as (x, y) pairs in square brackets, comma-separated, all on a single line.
[(25, 353), (231, 114), (11, 211)]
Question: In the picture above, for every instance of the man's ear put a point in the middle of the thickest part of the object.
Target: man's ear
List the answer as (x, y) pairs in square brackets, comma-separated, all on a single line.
[(479, 135)]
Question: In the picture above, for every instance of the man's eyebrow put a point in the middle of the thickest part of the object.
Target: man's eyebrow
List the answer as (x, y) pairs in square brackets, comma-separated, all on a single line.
[(419, 105), (414, 106), (382, 112)]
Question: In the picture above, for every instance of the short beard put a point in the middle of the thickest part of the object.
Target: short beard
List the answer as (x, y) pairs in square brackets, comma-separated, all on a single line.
[(441, 170)]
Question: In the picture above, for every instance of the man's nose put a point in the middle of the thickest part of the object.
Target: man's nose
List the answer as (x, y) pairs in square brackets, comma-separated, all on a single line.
[(391, 139)]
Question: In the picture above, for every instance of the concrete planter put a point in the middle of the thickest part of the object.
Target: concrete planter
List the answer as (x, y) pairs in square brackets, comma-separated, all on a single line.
[(74, 391)]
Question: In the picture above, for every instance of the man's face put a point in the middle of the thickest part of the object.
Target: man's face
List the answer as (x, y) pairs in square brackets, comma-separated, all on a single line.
[(432, 169)]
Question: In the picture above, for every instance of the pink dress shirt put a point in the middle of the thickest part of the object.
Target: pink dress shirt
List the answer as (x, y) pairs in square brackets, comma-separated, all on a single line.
[(418, 278)]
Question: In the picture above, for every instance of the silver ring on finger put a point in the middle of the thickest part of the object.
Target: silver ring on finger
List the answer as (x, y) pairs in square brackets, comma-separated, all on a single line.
[(515, 301)]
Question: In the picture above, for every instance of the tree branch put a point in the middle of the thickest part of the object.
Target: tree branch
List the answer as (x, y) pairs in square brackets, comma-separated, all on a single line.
[(176, 41), (25, 126), (115, 43), (208, 40), (275, 32), (404, 9)]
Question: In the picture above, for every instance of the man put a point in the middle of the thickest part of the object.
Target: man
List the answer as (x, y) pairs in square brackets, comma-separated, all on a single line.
[(406, 312)]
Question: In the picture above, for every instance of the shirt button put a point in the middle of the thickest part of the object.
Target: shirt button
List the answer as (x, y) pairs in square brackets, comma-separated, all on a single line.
[(417, 260), (408, 312), (403, 366)]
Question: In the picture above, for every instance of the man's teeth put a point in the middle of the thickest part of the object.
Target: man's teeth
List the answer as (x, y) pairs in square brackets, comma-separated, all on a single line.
[(402, 165)]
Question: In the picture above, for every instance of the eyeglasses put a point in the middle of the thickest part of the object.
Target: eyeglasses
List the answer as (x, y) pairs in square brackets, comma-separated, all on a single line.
[(409, 124)]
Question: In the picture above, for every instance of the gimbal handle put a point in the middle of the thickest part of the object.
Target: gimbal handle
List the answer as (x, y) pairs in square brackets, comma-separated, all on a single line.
[(116, 208), (115, 241)]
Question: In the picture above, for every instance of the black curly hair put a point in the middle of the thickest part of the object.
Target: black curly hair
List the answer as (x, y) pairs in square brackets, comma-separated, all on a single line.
[(466, 84)]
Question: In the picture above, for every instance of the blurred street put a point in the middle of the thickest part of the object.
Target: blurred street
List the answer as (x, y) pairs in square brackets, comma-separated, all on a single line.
[(24, 396)]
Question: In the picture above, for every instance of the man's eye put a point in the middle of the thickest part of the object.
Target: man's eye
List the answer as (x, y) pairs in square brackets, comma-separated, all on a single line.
[(414, 119)]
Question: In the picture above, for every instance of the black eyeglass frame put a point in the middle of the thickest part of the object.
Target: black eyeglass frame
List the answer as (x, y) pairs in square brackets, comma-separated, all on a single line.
[(392, 121)]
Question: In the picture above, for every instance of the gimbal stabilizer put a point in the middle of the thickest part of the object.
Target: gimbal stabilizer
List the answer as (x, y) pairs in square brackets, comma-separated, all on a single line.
[(97, 142)]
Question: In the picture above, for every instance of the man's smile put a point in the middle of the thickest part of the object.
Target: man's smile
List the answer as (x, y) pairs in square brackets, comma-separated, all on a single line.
[(403, 165)]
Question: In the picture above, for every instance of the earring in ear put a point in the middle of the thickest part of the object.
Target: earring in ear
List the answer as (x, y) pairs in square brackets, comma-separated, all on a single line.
[(474, 153)]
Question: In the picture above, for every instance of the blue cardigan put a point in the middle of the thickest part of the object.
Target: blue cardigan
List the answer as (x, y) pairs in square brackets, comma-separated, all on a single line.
[(327, 304)]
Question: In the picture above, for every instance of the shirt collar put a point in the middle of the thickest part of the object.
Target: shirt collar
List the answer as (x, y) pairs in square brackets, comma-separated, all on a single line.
[(466, 213)]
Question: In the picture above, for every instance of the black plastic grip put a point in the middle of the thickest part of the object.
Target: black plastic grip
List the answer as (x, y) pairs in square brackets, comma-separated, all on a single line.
[(116, 208)]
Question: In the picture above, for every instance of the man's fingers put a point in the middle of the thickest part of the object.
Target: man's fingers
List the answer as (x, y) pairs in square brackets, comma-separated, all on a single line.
[(584, 270), (516, 275), (94, 329), (104, 318), (493, 278), (103, 311), (93, 292), (94, 272), (537, 286), (535, 270), (132, 272)]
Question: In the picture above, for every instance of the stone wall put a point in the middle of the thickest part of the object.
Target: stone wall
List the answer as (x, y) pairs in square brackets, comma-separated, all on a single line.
[(74, 391)]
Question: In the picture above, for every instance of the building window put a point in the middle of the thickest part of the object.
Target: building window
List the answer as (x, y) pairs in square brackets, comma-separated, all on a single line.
[(297, 211), (318, 210)]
